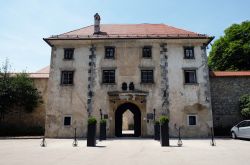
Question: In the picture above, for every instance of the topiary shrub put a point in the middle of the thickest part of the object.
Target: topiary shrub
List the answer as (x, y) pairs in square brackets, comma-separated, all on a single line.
[(92, 120), (157, 122), (103, 121), (245, 105), (163, 119)]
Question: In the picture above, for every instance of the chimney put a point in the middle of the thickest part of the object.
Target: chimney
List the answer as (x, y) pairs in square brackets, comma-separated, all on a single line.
[(97, 23)]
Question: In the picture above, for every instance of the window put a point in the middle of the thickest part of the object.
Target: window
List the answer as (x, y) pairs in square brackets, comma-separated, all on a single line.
[(67, 77), (192, 120), (147, 52), (147, 76), (189, 52), (190, 76), (68, 53), (67, 120), (244, 124), (110, 52), (108, 76)]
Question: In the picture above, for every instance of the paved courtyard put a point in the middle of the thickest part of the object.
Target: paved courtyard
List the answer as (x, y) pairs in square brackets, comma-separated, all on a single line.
[(124, 152)]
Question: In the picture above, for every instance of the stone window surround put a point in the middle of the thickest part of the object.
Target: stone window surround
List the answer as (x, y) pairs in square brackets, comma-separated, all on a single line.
[(151, 52), (108, 68), (196, 120), (191, 69), (106, 47), (70, 116), (184, 51), (147, 68), (66, 49), (66, 69)]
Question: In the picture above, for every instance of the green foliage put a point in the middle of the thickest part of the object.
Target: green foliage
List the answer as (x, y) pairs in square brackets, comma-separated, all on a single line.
[(103, 121), (245, 105), (232, 51), (17, 91), (163, 119), (92, 120), (157, 122)]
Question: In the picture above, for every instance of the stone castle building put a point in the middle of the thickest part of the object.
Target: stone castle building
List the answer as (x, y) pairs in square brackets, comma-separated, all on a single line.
[(148, 69)]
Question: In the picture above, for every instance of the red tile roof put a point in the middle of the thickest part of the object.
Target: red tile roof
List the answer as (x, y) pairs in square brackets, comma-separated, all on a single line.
[(42, 73), (44, 70), (130, 31), (229, 73)]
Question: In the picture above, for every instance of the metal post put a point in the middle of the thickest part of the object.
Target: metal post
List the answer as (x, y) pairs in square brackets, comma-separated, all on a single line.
[(101, 113), (75, 143), (179, 143), (43, 143), (212, 137), (154, 115)]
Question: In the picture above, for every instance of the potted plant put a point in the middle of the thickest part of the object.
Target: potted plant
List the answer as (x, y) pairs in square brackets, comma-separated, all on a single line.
[(157, 130), (91, 135), (164, 131), (103, 129)]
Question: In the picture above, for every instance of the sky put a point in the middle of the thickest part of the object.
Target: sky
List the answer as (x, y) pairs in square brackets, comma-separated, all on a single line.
[(24, 23)]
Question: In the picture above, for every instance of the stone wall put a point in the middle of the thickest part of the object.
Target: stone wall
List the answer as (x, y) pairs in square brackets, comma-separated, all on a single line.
[(16, 123), (225, 94)]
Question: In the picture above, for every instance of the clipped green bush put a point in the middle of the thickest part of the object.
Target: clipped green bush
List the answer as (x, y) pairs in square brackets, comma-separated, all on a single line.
[(245, 105), (92, 120), (163, 119), (157, 122), (245, 112), (103, 121)]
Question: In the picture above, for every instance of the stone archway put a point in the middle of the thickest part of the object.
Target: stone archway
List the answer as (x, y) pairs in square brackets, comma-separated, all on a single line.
[(118, 119)]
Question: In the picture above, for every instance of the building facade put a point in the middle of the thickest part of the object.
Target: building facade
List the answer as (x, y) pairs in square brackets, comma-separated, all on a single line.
[(149, 69)]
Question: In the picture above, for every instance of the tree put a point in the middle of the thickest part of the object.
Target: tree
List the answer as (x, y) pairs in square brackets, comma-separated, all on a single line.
[(232, 51), (5, 89), (245, 105), (17, 91)]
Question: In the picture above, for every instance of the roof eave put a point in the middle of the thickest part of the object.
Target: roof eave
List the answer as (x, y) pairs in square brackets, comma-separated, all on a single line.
[(47, 40)]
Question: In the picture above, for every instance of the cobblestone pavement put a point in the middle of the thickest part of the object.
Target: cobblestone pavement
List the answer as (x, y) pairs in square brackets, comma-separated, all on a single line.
[(124, 152)]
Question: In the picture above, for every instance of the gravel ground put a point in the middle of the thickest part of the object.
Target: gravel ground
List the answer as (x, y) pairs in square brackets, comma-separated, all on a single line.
[(127, 151)]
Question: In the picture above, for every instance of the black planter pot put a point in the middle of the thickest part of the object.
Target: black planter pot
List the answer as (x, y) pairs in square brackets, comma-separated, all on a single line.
[(102, 131), (157, 131), (164, 135), (91, 136)]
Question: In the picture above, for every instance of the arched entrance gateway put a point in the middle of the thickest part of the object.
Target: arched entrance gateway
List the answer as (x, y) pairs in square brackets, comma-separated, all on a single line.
[(128, 112), (119, 119)]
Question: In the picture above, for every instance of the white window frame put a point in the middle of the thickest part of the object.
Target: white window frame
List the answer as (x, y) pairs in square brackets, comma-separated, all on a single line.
[(70, 120), (196, 119)]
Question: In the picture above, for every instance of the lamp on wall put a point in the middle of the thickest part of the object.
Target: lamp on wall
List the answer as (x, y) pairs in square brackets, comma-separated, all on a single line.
[(207, 100)]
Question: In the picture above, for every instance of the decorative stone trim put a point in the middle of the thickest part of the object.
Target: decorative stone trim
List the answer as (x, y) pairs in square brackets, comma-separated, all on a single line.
[(164, 78), (91, 78)]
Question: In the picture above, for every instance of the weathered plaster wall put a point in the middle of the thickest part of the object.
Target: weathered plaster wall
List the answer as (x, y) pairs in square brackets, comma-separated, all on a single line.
[(72, 100), (225, 92), (188, 99)]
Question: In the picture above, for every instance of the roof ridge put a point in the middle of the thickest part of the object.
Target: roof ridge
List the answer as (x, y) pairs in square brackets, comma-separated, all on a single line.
[(181, 29), (75, 30)]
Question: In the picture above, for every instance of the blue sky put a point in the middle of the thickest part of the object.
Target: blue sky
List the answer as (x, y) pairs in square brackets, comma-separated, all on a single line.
[(25, 22)]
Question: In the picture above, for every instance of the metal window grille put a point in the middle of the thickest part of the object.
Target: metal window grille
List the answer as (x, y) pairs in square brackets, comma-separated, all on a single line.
[(68, 53), (147, 52), (190, 76), (67, 77), (108, 76), (109, 52), (147, 76)]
